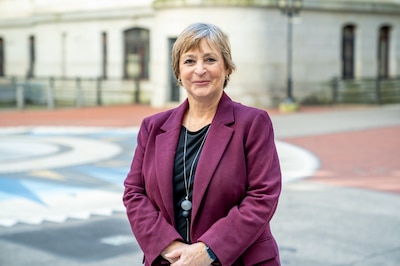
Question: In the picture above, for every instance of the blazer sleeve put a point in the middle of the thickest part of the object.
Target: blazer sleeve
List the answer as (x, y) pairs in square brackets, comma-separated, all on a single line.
[(250, 219), (152, 231)]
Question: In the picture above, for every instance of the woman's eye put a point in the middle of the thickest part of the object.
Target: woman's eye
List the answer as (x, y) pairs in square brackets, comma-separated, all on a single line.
[(211, 59), (189, 61)]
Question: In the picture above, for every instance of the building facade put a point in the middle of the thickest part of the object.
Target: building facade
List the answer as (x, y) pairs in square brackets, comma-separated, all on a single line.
[(132, 39)]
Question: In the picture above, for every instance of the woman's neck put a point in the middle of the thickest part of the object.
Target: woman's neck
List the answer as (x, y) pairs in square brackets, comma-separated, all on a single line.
[(201, 111), (198, 117)]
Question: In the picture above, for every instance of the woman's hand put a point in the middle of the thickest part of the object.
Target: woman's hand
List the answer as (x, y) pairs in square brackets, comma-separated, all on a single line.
[(175, 245), (193, 255)]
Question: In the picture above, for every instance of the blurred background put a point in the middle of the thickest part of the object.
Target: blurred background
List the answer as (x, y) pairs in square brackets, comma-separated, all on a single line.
[(102, 52)]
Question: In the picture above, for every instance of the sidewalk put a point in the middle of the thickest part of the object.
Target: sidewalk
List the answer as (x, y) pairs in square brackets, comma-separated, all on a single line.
[(110, 116)]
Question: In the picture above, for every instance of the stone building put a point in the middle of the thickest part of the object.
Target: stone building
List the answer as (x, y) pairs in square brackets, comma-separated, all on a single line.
[(124, 39)]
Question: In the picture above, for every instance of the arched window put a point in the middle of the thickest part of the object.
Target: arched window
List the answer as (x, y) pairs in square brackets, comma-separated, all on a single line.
[(348, 51), (383, 51), (136, 53), (2, 58)]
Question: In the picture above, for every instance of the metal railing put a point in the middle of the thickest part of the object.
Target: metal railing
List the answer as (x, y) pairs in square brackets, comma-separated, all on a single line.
[(54, 92), (366, 90)]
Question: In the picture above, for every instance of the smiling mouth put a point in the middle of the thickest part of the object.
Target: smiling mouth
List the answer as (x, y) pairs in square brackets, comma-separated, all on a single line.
[(201, 82)]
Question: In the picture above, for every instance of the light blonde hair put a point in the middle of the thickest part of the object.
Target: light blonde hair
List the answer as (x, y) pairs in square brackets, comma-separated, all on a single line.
[(190, 38)]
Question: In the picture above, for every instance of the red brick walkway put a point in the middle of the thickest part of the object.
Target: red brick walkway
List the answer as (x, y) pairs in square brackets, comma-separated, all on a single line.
[(110, 116), (367, 159)]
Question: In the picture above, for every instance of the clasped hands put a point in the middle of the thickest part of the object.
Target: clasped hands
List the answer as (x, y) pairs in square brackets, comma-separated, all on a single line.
[(181, 254)]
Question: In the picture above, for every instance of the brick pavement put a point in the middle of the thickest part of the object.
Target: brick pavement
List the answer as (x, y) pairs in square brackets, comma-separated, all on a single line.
[(110, 116), (366, 159)]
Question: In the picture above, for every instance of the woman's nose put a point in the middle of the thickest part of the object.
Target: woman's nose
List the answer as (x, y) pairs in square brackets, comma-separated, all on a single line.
[(200, 70)]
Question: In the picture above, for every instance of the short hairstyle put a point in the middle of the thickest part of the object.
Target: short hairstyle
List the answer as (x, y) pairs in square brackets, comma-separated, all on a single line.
[(190, 38)]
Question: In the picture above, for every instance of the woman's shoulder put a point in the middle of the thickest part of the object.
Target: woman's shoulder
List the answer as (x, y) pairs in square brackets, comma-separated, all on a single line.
[(240, 108), (159, 115), (158, 118), (248, 111), (251, 120)]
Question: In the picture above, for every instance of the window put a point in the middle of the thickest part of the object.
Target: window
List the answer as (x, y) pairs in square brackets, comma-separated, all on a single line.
[(174, 88), (383, 51), (348, 44), (31, 68), (136, 53), (1, 57)]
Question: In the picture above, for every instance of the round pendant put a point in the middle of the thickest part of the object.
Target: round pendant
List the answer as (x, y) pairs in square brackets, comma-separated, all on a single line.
[(186, 205), (185, 214)]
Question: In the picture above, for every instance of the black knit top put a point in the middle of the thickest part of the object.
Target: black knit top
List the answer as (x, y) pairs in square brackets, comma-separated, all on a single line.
[(194, 140)]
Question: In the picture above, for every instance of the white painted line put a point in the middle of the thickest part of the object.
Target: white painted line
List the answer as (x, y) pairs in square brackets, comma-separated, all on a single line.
[(82, 151), (118, 240), (296, 163)]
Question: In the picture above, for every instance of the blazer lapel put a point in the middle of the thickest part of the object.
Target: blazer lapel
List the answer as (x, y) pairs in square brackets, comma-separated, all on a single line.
[(217, 140), (165, 149)]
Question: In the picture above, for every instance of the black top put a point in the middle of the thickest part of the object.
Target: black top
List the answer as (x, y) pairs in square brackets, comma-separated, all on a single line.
[(194, 140)]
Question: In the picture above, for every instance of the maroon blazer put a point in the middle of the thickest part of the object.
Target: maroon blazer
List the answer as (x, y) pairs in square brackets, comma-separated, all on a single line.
[(236, 185)]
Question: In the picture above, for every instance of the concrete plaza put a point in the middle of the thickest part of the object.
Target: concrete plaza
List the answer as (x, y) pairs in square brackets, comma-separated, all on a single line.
[(61, 174)]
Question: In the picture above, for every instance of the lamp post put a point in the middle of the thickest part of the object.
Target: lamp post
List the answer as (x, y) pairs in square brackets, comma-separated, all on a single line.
[(134, 70), (290, 8)]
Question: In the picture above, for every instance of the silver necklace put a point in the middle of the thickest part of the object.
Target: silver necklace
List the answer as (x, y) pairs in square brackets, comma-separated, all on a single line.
[(186, 204)]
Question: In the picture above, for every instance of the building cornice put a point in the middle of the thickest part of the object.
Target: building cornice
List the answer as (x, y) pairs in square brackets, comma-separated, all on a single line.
[(36, 18), (159, 4), (58, 17), (365, 6)]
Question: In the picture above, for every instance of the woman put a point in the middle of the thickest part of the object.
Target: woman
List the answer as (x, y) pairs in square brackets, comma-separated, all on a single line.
[(205, 178)]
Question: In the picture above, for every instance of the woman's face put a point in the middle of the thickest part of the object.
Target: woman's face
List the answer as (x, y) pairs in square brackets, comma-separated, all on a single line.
[(202, 71)]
